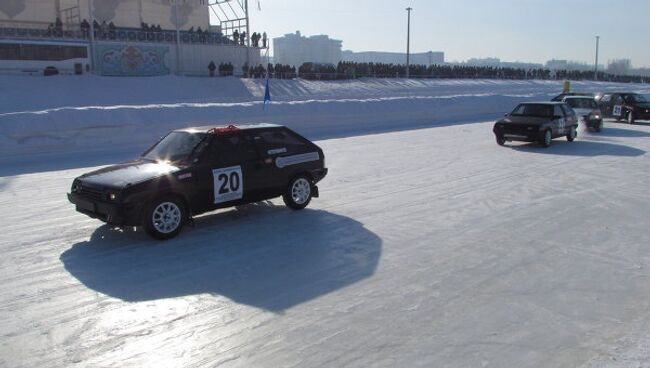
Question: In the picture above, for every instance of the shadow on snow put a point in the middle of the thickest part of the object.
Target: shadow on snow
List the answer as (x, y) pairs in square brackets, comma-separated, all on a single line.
[(260, 255), (581, 148)]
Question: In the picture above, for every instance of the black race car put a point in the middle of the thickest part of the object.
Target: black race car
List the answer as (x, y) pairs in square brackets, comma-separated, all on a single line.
[(628, 106), (196, 170), (537, 122)]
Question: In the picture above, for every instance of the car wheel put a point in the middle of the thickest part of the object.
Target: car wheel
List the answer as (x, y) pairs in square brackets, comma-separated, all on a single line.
[(572, 134), (500, 140), (164, 218), (298, 193), (547, 138), (630, 117)]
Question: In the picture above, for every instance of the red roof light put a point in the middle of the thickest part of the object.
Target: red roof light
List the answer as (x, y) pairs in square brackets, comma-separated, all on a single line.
[(220, 131)]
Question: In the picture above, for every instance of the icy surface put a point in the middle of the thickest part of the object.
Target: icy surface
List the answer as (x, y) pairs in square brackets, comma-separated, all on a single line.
[(428, 248)]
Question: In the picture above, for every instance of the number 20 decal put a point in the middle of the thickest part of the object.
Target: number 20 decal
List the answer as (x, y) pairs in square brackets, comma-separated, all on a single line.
[(618, 110), (228, 184)]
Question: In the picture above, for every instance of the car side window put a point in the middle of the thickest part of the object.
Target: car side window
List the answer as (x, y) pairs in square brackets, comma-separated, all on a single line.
[(606, 98), (231, 149), (278, 141), (557, 111), (567, 110)]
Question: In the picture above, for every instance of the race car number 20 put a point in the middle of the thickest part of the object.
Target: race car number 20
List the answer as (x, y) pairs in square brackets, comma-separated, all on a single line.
[(228, 184)]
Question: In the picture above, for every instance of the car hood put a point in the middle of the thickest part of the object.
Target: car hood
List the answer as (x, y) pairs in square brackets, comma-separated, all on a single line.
[(123, 175), (643, 105), (532, 120)]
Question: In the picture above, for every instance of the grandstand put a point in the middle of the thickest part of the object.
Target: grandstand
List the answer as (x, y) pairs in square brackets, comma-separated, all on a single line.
[(124, 37)]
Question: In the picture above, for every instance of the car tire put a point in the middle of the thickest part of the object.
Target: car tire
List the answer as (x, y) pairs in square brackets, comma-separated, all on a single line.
[(546, 138), (165, 217), (501, 141), (298, 193), (630, 118), (573, 133)]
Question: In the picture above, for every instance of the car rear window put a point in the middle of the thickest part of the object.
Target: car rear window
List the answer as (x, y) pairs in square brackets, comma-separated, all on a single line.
[(581, 103)]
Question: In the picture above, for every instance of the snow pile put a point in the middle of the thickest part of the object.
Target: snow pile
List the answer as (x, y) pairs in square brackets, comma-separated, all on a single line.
[(80, 114)]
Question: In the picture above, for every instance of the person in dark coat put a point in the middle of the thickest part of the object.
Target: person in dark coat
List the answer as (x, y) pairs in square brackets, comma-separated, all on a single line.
[(212, 67)]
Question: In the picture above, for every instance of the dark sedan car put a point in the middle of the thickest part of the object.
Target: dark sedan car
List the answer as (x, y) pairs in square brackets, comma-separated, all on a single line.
[(537, 122), (196, 170), (628, 106)]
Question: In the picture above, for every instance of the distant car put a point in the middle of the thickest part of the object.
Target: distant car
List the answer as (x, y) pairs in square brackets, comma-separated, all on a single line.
[(537, 122), (561, 96), (196, 170), (587, 110), (628, 106)]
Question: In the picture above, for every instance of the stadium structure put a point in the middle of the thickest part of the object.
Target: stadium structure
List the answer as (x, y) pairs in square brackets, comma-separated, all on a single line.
[(124, 37)]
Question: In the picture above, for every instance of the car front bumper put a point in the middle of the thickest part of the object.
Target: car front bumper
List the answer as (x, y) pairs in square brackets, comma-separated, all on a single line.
[(518, 134), (113, 213)]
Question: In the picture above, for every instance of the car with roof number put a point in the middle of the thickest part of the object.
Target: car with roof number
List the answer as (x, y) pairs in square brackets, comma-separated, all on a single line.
[(626, 106), (197, 170), (537, 122), (587, 110)]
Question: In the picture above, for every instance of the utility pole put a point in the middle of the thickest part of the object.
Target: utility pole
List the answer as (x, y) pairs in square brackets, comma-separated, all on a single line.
[(408, 43), (178, 39), (596, 66), (92, 35)]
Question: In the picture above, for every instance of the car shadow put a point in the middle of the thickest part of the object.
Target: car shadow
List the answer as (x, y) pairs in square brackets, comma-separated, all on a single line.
[(581, 148), (622, 133), (263, 255)]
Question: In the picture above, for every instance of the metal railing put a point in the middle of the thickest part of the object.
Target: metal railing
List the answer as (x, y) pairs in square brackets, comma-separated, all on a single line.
[(117, 34)]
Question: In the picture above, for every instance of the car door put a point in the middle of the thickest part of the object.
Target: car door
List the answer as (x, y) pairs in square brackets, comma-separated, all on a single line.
[(282, 154), (559, 121), (229, 171), (570, 116), (617, 106), (605, 105)]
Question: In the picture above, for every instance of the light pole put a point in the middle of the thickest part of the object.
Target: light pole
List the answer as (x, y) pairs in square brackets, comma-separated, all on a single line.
[(408, 43), (596, 66), (178, 40)]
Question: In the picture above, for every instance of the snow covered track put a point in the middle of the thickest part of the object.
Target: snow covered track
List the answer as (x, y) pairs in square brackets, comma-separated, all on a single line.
[(70, 115), (431, 247)]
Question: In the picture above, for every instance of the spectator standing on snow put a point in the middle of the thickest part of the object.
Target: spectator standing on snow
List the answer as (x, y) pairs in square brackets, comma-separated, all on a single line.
[(212, 67), (264, 39)]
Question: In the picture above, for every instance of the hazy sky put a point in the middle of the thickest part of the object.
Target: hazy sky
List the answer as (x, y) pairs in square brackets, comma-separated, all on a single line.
[(512, 30)]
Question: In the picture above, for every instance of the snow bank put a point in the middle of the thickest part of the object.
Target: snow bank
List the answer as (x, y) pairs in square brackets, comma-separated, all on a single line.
[(79, 114)]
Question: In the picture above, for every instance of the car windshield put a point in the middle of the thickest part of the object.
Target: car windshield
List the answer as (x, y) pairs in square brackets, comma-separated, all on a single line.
[(635, 98), (175, 146), (538, 110), (581, 103)]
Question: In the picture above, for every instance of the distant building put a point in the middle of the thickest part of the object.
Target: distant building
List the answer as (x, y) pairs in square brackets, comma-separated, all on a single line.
[(497, 63), (422, 58), (296, 49)]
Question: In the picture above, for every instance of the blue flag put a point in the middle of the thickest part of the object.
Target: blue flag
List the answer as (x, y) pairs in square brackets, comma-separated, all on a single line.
[(267, 94)]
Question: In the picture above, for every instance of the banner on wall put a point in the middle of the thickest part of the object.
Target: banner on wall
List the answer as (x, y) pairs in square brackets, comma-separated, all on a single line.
[(131, 60)]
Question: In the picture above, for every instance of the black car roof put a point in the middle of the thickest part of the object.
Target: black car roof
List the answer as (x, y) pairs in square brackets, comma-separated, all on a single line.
[(215, 128), (551, 103)]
